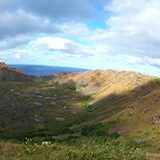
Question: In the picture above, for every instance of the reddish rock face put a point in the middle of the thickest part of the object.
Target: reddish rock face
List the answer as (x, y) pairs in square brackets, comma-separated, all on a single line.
[(98, 81), (13, 74)]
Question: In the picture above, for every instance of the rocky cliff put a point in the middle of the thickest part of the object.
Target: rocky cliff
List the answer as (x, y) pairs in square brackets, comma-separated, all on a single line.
[(12, 74)]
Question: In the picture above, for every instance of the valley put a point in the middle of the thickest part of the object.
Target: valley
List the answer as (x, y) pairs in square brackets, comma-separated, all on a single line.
[(83, 115)]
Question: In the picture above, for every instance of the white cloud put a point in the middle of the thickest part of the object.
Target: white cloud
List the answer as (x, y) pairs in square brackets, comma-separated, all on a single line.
[(70, 55), (134, 60), (60, 44), (12, 42), (8, 56), (50, 43), (75, 29), (4, 56), (23, 51), (17, 56), (153, 61), (20, 22), (134, 29), (131, 40), (41, 17)]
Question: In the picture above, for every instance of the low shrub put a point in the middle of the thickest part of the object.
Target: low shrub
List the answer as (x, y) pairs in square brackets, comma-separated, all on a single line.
[(72, 87), (98, 129)]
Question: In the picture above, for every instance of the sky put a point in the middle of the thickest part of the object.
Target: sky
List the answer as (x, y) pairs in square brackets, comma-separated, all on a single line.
[(122, 35)]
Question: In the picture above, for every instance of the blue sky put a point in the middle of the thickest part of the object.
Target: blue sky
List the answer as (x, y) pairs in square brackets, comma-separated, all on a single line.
[(123, 35)]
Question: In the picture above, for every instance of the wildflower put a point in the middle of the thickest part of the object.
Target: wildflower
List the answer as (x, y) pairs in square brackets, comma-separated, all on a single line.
[(25, 137), (35, 144), (26, 142), (110, 156)]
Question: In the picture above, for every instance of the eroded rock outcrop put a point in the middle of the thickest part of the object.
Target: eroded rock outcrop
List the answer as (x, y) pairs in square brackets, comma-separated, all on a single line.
[(13, 74)]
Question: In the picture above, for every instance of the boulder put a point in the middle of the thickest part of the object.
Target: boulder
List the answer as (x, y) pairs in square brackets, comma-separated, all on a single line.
[(154, 120), (60, 119)]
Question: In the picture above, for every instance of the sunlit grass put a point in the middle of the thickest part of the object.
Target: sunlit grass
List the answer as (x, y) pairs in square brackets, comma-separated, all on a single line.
[(77, 149)]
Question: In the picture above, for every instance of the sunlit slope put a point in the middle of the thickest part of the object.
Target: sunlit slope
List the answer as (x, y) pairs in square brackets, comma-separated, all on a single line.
[(110, 91), (133, 99), (142, 114), (99, 82)]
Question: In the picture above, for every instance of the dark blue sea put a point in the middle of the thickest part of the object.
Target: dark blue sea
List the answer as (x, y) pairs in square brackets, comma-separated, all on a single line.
[(40, 70)]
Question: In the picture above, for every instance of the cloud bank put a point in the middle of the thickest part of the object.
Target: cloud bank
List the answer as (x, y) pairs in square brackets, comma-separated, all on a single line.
[(70, 32)]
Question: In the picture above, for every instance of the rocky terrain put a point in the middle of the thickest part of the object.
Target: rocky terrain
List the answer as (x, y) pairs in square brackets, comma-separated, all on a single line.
[(13, 74)]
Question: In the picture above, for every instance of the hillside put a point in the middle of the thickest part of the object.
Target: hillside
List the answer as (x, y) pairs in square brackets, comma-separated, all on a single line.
[(12, 74), (131, 98), (108, 90), (71, 105)]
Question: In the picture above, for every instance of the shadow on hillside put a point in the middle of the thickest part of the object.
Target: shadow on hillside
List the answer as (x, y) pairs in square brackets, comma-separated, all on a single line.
[(114, 103), (110, 104)]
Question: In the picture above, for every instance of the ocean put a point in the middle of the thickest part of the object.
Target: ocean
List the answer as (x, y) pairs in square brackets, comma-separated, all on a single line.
[(40, 70)]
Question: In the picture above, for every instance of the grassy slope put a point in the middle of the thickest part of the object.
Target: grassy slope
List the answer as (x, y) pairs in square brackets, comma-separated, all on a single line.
[(69, 147), (82, 148), (134, 110), (112, 97), (21, 113)]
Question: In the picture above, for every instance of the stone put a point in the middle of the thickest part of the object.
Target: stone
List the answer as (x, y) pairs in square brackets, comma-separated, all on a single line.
[(39, 96), (154, 120), (17, 93), (53, 103), (37, 120), (45, 142), (138, 149), (156, 100), (37, 103), (47, 98), (60, 119)]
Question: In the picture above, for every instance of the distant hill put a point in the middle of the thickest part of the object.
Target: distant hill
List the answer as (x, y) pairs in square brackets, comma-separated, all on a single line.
[(12, 74), (129, 97)]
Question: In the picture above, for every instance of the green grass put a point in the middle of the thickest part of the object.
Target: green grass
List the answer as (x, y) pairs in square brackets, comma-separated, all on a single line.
[(2, 79), (59, 102), (76, 149), (72, 87), (77, 137), (84, 85), (58, 81)]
